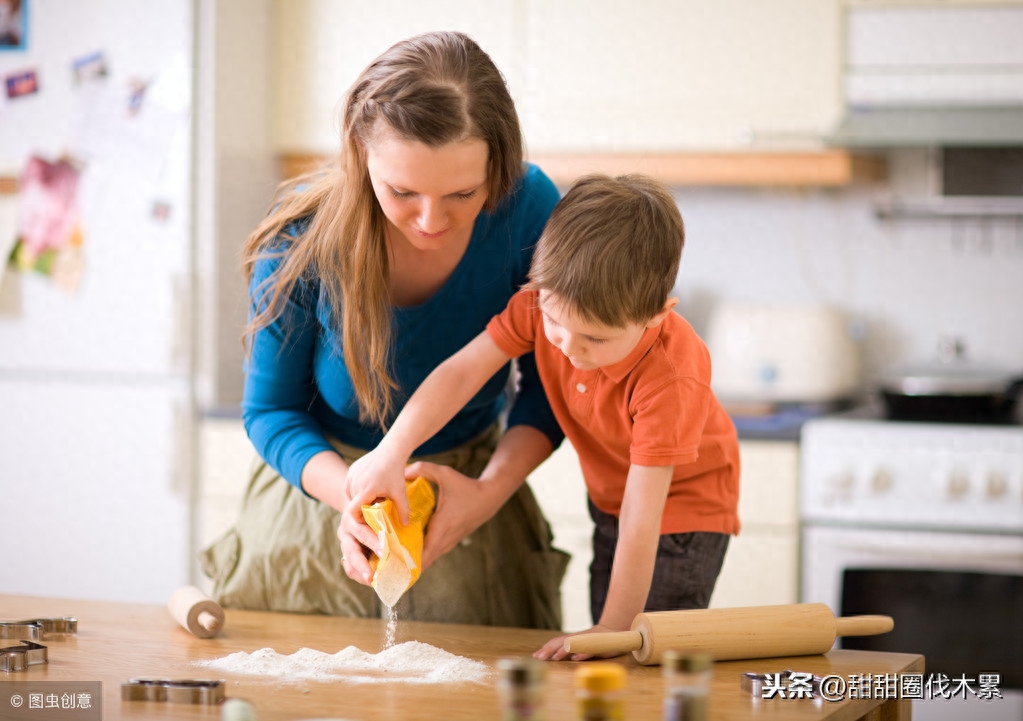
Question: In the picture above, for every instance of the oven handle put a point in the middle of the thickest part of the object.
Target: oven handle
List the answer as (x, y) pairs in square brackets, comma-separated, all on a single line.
[(986, 556)]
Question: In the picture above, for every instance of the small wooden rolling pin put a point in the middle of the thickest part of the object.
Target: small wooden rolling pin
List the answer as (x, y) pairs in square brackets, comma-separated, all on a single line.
[(196, 612), (798, 629)]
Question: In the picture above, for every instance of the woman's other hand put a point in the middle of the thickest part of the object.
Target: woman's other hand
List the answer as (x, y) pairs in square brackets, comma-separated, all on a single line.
[(463, 505)]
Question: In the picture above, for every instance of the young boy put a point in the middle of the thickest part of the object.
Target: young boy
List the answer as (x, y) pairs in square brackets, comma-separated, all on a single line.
[(629, 382)]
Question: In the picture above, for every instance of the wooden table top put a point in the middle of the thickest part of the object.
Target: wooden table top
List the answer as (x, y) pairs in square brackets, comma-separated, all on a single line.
[(118, 641)]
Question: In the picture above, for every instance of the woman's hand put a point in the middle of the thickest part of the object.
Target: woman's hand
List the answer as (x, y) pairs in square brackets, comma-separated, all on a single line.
[(358, 542), (554, 650), (463, 505), (375, 475)]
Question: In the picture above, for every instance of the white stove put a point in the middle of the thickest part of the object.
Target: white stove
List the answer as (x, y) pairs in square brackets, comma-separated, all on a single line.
[(923, 522), (913, 475)]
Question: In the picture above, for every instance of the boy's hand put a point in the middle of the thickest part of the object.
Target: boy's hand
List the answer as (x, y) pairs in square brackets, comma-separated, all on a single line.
[(554, 650), (374, 476)]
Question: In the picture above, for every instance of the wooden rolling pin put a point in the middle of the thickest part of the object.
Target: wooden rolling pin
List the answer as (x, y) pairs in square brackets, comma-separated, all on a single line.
[(799, 629), (196, 612)]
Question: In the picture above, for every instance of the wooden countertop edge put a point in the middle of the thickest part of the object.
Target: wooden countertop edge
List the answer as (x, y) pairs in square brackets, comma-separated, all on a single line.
[(810, 168)]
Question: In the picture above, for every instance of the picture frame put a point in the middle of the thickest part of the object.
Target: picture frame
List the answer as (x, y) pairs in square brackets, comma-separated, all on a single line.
[(13, 25)]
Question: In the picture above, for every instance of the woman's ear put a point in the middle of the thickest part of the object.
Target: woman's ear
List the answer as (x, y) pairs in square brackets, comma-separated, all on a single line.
[(669, 305)]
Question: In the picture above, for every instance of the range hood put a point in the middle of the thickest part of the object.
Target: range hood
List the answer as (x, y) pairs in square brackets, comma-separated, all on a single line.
[(932, 73), (893, 126)]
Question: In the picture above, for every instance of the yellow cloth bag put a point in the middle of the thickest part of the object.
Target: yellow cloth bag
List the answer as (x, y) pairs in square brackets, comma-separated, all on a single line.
[(401, 555)]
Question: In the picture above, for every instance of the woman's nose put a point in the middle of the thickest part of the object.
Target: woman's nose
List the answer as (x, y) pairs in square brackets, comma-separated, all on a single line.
[(431, 217)]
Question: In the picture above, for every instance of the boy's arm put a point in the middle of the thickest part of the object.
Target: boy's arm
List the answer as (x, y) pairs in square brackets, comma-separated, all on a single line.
[(639, 530), (381, 473)]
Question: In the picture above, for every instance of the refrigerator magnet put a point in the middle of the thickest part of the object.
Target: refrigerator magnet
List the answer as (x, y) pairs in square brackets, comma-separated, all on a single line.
[(89, 67), (20, 84)]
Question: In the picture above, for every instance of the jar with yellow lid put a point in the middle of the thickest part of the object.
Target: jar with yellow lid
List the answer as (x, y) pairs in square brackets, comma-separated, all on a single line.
[(600, 690)]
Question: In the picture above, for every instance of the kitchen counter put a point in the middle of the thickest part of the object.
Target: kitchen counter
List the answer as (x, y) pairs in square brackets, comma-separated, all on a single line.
[(118, 641)]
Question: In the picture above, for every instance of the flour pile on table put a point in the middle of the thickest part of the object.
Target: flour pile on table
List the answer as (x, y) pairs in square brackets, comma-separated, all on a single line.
[(409, 662)]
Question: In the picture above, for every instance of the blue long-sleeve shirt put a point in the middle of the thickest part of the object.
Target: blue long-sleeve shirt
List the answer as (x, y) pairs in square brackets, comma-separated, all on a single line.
[(298, 390)]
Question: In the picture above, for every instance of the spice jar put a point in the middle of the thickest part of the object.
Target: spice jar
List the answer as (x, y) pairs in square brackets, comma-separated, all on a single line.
[(686, 685), (520, 688), (599, 692)]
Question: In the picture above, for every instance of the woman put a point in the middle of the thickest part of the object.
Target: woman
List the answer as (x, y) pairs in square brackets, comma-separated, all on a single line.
[(363, 278)]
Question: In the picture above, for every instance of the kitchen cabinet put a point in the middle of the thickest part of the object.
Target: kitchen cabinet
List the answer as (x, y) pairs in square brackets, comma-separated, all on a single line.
[(320, 46), (729, 94), (225, 459), (762, 563), (561, 491), (671, 76)]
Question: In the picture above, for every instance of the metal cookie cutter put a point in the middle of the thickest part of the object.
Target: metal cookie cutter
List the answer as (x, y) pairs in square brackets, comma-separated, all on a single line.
[(755, 683), (18, 658), (36, 628), (189, 690)]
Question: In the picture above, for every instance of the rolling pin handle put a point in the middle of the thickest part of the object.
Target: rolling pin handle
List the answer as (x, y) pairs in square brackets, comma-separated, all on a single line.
[(863, 625), (601, 643), (196, 612), (208, 621)]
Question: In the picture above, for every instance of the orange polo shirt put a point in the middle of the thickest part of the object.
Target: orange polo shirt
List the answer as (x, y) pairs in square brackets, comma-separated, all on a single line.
[(654, 408)]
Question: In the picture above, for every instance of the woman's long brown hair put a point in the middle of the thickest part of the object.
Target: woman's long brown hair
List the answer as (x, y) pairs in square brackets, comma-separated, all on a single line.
[(435, 88)]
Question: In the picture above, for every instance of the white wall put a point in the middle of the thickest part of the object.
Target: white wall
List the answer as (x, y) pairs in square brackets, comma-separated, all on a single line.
[(907, 282)]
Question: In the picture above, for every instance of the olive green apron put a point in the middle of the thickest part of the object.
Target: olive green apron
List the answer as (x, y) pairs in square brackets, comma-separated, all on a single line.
[(283, 554)]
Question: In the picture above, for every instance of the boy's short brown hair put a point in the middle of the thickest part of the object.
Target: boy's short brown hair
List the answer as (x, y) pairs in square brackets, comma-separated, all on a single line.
[(611, 249)]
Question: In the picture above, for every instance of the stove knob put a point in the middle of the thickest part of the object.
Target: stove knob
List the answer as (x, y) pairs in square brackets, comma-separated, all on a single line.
[(882, 481), (843, 483), (841, 488), (958, 484), (997, 485)]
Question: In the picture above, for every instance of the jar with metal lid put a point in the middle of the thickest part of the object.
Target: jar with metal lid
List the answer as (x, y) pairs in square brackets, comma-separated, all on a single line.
[(686, 685), (520, 688), (600, 690)]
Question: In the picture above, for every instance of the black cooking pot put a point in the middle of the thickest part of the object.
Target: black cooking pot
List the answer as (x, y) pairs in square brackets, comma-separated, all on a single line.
[(952, 393)]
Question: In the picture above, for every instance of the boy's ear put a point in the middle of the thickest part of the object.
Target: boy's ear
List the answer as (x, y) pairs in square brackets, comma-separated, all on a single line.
[(669, 305)]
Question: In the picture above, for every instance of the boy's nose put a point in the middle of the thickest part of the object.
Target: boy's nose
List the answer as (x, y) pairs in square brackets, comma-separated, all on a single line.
[(569, 345)]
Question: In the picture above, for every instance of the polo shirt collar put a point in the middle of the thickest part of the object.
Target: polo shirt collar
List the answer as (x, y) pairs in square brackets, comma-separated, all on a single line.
[(622, 368)]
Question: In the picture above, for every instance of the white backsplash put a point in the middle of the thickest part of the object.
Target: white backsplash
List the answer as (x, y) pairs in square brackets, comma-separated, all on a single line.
[(905, 283)]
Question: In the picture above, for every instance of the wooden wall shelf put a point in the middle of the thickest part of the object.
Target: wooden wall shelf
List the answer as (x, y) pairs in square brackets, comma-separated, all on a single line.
[(818, 168), (724, 169)]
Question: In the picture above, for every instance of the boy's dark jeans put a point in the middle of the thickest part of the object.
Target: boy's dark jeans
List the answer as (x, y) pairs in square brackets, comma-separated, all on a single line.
[(686, 569)]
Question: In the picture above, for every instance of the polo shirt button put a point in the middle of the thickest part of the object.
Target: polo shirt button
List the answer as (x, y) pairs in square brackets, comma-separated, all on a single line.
[(580, 387)]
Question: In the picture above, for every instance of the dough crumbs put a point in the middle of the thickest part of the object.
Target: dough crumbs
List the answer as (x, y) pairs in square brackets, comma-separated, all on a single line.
[(409, 662)]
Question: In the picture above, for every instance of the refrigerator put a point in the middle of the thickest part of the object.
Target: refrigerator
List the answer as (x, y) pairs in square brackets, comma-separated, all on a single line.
[(97, 367)]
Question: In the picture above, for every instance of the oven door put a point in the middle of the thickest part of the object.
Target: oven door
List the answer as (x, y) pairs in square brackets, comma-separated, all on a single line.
[(956, 598)]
